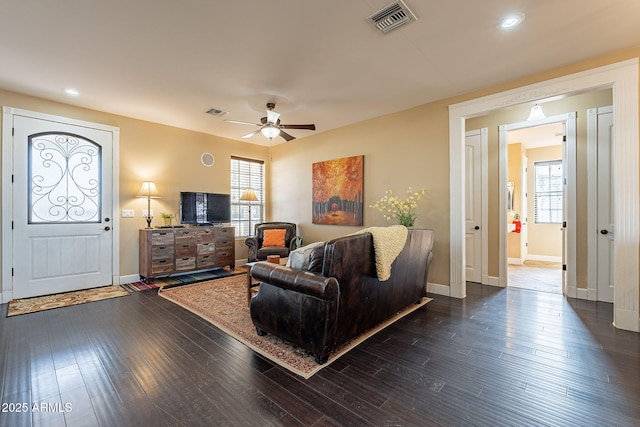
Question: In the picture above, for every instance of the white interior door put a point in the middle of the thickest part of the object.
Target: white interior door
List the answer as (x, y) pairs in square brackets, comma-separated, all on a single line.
[(62, 233), (605, 205), (473, 206)]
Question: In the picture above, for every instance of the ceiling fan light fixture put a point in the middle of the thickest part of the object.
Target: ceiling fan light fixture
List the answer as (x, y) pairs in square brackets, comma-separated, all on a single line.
[(270, 131)]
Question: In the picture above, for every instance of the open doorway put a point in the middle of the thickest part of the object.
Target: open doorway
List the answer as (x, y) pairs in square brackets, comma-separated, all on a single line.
[(623, 78), (535, 207)]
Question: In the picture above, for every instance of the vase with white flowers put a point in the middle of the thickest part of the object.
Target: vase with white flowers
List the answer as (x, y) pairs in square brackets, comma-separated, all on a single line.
[(402, 210)]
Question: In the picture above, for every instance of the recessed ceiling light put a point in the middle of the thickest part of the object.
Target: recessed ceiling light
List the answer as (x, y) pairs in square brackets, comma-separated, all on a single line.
[(511, 21), (71, 91)]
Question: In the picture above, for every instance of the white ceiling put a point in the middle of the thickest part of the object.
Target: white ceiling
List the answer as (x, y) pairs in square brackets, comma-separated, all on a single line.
[(321, 62), (539, 136)]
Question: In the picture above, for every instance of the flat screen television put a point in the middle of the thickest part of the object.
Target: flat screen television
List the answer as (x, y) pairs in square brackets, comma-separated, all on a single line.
[(204, 208)]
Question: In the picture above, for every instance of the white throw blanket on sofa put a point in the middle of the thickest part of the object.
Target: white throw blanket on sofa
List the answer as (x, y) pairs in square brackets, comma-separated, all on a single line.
[(388, 242)]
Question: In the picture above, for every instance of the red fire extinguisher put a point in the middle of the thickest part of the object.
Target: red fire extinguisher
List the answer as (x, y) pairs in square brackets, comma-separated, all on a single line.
[(518, 224)]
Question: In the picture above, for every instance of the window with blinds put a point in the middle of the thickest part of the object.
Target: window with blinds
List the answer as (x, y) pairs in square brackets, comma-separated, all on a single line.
[(548, 192), (245, 214)]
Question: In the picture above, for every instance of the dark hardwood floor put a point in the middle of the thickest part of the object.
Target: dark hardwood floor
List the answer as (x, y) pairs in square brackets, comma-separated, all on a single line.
[(500, 357)]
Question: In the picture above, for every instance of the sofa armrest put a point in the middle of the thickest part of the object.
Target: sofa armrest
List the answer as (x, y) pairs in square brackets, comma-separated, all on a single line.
[(253, 245), (301, 281)]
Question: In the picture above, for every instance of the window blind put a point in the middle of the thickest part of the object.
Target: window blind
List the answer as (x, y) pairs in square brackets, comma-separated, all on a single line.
[(246, 173), (548, 192)]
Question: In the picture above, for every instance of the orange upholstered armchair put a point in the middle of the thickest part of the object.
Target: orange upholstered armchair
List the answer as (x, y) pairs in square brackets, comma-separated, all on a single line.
[(272, 238)]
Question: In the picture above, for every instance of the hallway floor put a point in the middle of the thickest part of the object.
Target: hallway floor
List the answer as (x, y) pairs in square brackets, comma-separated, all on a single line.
[(536, 275)]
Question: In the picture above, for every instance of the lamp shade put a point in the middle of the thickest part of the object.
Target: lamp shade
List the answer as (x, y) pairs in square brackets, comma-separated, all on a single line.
[(149, 190), (249, 195), (270, 131), (536, 113)]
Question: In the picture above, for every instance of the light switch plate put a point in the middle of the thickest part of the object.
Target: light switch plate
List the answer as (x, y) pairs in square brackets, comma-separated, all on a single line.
[(128, 213)]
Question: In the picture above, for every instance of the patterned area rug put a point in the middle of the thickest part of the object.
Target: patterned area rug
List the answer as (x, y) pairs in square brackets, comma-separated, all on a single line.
[(47, 302), (223, 302)]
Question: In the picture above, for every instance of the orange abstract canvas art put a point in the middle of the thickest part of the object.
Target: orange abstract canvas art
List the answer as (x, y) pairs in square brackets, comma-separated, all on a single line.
[(338, 191)]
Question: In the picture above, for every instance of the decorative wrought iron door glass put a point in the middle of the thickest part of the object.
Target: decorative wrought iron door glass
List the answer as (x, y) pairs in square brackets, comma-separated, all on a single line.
[(64, 179)]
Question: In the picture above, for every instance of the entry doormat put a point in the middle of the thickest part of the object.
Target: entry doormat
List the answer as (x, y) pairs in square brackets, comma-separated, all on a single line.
[(48, 302), (223, 302)]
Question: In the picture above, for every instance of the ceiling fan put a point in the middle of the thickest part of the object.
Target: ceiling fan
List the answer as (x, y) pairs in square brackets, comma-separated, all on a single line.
[(270, 125)]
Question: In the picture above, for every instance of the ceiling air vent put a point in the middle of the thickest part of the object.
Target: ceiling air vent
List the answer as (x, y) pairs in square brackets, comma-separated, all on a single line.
[(392, 17), (216, 112)]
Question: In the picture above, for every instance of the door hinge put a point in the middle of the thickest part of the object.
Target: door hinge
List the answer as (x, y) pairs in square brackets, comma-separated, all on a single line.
[(564, 138), (564, 224), (12, 178), (12, 225), (564, 267), (13, 131), (12, 272)]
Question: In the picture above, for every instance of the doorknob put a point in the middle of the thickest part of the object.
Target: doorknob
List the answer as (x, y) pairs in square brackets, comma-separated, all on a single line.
[(477, 227), (604, 231), (107, 228)]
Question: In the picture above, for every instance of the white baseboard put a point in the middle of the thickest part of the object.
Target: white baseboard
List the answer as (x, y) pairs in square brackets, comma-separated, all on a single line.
[(547, 258), (6, 296), (516, 261), (582, 293), (493, 281), (129, 278), (437, 289)]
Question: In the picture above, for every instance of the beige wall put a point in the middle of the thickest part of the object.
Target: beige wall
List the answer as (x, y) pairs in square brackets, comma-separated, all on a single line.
[(409, 148), (543, 239), (514, 175), (167, 155)]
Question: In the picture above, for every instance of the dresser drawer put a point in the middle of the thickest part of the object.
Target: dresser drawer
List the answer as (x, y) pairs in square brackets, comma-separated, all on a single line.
[(206, 248), (224, 258), (162, 252), (205, 261), (224, 242), (162, 266), (224, 233), (183, 236), (186, 263), (185, 249), (206, 235), (162, 238)]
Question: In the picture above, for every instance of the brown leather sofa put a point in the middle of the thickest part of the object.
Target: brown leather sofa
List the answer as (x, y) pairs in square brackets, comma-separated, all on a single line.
[(258, 252), (339, 296)]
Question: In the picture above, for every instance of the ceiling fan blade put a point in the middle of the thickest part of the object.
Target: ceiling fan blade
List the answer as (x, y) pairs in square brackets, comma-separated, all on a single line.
[(307, 127), (242, 123), (272, 116), (249, 135), (286, 136)]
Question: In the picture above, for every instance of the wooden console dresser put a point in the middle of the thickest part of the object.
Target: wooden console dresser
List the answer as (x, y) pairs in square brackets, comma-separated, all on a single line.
[(165, 251)]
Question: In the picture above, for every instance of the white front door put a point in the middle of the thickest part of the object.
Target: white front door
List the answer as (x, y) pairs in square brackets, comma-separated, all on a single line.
[(473, 206), (62, 233), (605, 205)]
